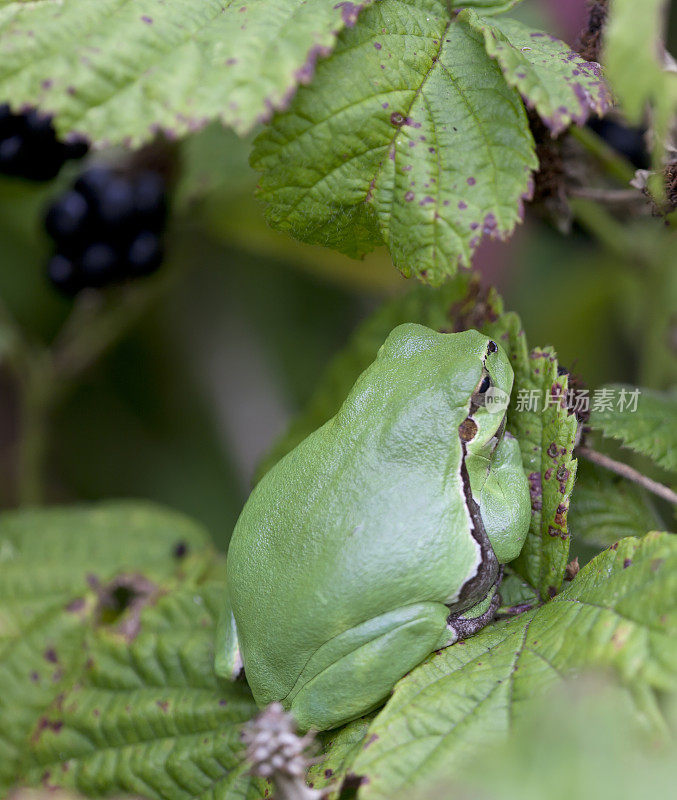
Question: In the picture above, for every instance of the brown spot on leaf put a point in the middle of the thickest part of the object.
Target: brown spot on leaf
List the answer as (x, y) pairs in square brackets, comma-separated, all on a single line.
[(76, 605), (572, 569), (44, 724), (351, 783), (562, 478), (536, 491), (121, 602), (554, 451), (560, 514), (180, 550)]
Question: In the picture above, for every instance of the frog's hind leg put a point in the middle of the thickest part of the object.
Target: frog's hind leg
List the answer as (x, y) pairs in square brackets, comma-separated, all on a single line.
[(355, 671)]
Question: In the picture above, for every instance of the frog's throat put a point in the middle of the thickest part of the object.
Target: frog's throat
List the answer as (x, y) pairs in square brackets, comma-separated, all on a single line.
[(488, 568)]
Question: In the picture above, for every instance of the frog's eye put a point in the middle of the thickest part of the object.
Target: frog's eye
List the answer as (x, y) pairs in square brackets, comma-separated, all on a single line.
[(492, 347), (478, 399), (485, 383)]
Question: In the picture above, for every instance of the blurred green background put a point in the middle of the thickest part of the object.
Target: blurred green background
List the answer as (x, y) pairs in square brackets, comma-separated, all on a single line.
[(181, 409)]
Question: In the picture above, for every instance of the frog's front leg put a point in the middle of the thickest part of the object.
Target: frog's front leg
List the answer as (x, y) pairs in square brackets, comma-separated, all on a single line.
[(467, 623)]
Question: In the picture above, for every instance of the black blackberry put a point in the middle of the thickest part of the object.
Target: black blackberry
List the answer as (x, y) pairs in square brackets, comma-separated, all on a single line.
[(100, 265), (29, 147), (629, 141), (64, 275), (67, 216), (107, 229), (145, 254)]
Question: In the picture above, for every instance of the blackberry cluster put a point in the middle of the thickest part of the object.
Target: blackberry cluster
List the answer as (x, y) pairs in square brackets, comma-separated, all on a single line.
[(107, 229), (29, 147)]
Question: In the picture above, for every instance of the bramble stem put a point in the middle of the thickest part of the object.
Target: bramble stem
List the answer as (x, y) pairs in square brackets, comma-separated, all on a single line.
[(659, 489), (606, 195), (45, 375), (615, 165), (34, 412), (608, 231)]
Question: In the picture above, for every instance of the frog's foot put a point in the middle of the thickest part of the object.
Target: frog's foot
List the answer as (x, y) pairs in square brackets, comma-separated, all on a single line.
[(465, 626)]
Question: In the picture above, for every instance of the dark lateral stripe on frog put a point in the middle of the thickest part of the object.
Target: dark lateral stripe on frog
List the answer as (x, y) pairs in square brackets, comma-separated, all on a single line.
[(487, 570)]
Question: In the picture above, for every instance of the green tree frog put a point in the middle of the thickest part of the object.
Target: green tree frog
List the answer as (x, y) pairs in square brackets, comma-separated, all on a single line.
[(380, 538)]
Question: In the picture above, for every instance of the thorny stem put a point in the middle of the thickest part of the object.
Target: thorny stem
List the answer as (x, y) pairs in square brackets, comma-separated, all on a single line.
[(45, 375), (615, 165), (614, 236), (33, 423), (659, 489), (73, 352), (606, 195)]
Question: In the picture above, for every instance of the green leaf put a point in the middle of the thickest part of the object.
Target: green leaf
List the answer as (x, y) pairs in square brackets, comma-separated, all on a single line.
[(428, 151), (51, 794), (340, 747), (49, 557), (619, 614), (634, 61), (552, 78), (585, 742), (120, 72), (486, 6), (148, 715), (59, 573), (608, 508), (649, 428), (516, 594), (547, 435)]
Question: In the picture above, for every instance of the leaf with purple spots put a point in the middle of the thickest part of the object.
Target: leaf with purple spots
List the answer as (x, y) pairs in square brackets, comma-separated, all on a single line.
[(429, 152), (554, 80), (118, 71), (539, 419)]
